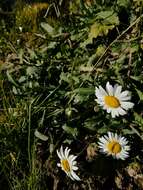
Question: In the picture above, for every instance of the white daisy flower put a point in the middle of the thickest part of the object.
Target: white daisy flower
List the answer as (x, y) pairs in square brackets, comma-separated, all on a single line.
[(114, 145), (68, 163), (113, 100)]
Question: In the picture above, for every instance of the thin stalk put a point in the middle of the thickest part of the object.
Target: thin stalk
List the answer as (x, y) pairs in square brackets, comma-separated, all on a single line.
[(29, 127), (135, 131)]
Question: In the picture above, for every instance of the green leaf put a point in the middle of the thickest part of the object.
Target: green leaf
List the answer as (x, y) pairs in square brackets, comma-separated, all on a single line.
[(70, 130), (40, 135), (32, 53), (85, 91), (128, 132), (90, 124), (69, 78), (51, 148), (137, 78), (49, 29), (52, 45), (98, 29), (74, 6), (15, 91), (31, 71), (22, 79), (123, 3), (140, 94), (42, 119), (103, 130), (108, 17), (11, 79), (138, 119)]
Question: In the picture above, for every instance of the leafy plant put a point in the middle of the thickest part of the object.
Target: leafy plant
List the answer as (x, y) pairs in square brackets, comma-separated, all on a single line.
[(48, 79)]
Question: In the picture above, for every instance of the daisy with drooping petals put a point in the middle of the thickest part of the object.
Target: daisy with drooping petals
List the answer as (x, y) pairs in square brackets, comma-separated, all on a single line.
[(68, 163), (114, 145), (113, 100)]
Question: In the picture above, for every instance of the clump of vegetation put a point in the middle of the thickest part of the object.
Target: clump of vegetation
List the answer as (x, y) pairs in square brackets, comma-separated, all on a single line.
[(29, 14), (71, 94)]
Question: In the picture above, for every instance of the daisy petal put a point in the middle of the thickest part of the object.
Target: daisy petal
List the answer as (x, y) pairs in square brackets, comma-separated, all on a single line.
[(74, 167), (62, 152), (67, 152), (117, 92), (127, 105), (98, 93), (72, 158), (124, 93), (109, 89), (103, 92), (113, 113), (75, 176), (59, 155), (121, 111)]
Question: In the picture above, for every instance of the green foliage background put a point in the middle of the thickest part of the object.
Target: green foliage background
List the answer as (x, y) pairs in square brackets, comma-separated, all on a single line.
[(49, 71)]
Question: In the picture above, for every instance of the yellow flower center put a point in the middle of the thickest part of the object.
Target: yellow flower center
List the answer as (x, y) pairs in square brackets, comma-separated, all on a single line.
[(112, 101), (114, 147), (65, 165)]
